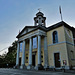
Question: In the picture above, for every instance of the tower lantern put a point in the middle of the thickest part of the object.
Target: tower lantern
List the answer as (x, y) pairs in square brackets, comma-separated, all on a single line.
[(39, 19)]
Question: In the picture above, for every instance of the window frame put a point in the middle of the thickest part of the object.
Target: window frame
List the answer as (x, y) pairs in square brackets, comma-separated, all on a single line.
[(55, 38)]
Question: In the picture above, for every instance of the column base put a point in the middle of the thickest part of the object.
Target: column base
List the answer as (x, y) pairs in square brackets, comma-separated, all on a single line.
[(16, 67), (30, 67), (46, 67), (23, 66), (40, 67)]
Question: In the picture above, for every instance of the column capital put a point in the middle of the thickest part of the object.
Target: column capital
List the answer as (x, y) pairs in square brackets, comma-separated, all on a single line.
[(30, 37), (39, 35), (21, 40)]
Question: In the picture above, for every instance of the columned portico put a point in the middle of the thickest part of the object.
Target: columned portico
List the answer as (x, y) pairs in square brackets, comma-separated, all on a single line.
[(17, 57), (23, 56), (38, 65)]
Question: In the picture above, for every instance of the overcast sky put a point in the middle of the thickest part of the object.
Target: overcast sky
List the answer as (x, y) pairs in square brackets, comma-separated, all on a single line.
[(16, 14)]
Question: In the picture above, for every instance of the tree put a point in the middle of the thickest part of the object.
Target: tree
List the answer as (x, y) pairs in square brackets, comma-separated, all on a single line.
[(10, 58)]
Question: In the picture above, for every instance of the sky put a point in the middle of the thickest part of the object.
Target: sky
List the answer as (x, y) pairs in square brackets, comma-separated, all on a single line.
[(16, 14)]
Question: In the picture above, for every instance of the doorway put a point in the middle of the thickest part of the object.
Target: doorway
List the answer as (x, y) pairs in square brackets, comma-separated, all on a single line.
[(57, 60), (20, 61), (33, 60)]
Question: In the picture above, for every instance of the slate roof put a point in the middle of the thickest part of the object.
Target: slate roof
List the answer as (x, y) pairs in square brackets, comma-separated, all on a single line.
[(62, 23), (39, 14)]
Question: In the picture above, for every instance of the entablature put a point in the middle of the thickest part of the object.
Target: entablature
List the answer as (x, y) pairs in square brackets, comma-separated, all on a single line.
[(32, 34)]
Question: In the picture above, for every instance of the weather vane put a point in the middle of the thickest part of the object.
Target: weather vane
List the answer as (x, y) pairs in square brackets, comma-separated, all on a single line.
[(39, 9)]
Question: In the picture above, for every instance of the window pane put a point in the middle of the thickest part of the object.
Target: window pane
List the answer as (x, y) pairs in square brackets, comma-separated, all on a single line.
[(35, 42), (55, 37), (21, 47)]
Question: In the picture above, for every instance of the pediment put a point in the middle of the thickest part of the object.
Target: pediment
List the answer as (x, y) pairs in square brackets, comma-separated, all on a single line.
[(26, 30)]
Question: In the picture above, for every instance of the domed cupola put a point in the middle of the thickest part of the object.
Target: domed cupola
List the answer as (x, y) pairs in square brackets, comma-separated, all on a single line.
[(39, 14), (39, 19)]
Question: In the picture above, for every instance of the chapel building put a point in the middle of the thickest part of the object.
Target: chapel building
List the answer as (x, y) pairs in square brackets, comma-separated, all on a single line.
[(41, 47)]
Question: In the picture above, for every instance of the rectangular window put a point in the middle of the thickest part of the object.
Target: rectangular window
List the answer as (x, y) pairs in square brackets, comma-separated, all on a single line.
[(34, 42), (21, 47)]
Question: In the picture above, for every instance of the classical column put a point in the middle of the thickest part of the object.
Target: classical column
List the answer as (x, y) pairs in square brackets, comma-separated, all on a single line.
[(39, 51), (45, 53), (30, 52), (23, 55), (17, 57)]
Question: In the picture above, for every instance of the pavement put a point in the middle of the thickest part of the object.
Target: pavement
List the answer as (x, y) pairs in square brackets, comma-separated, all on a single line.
[(6, 71)]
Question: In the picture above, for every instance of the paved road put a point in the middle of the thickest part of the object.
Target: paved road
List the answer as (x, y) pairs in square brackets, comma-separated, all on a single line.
[(24, 72)]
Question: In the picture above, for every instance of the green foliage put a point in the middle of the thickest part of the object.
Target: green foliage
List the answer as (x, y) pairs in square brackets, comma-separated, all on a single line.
[(10, 57)]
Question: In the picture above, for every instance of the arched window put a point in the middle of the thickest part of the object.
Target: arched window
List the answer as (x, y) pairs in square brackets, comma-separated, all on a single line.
[(55, 37)]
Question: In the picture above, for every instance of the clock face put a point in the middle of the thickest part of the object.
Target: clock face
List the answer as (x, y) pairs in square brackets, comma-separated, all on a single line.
[(34, 42)]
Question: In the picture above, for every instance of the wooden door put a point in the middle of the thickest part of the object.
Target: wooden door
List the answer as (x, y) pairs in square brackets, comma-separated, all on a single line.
[(57, 59)]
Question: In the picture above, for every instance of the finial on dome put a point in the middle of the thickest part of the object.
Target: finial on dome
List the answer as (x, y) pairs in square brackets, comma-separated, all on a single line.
[(39, 9)]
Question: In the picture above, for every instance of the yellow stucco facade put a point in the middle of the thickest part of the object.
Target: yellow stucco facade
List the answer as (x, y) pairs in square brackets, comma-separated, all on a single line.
[(55, 45), (63, 48)]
